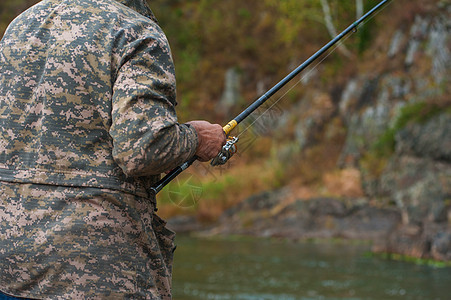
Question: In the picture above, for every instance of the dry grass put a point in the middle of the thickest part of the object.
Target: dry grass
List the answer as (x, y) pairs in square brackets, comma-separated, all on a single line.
[(343, 183), (223, 188)]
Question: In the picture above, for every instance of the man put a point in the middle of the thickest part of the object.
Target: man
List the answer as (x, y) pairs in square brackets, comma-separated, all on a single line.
[(87, 96)]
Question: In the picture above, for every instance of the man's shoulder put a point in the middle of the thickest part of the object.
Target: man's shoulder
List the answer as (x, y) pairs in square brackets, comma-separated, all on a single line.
[(129, 11), (124, 16), (106, 18)]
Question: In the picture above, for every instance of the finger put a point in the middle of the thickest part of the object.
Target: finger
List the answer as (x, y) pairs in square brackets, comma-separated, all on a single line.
[(202, 159), (224, 138)]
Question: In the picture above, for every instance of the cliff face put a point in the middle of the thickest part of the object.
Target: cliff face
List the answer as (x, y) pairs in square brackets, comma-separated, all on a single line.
[(392, 123), (385, 128), (418, 179), (409, 120)]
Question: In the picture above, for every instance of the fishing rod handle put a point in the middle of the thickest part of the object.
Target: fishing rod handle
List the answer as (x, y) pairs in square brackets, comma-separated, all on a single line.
[(229, 127), (171, 175), (175, 172)]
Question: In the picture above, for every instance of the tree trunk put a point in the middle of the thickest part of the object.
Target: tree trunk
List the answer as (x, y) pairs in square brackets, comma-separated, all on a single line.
[(331, 28), (359, 8)]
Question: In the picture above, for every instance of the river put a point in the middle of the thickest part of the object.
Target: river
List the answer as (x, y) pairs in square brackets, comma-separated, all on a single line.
[(254, 269)]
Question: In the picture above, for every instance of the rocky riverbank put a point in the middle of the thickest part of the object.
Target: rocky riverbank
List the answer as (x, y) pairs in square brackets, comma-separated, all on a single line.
[(270, 215), (413, 220), (391, 122)]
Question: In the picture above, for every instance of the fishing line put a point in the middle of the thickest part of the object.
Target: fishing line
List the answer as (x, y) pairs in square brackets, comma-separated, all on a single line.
[(313, 68), (230, 148)]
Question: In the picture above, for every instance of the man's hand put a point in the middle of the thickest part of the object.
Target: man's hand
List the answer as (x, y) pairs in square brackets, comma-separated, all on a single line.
[(211, 139)]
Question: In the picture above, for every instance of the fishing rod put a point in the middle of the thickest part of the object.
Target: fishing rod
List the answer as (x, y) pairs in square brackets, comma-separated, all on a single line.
[(230, 148)]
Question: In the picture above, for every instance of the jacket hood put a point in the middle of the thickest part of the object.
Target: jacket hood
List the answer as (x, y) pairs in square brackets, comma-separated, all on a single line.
[(139, 6)]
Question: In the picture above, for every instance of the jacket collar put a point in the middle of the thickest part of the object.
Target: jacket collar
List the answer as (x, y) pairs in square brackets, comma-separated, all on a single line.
[(139, 6)]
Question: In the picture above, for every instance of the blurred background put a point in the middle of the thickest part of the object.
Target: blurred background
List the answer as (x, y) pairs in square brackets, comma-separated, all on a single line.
[(356, 151)]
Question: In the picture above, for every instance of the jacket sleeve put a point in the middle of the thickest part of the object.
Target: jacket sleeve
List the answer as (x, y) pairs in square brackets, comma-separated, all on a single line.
[(147, 139)]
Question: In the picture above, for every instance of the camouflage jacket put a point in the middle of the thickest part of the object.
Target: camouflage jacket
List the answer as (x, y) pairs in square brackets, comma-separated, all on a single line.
[(87, 118), (87, 96)]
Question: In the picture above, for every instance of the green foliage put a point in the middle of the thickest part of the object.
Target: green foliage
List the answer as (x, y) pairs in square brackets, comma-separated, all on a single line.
[(188, 189), (419, 112), (183, 192), (375, 160), (208, 37), (9, 9), (217, 188), (364, 35), (293, 18), (365, 31), (410, 259)]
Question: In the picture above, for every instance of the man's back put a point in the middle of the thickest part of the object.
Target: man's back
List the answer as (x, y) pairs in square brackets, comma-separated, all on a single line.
[(58, 63), (87, 96)]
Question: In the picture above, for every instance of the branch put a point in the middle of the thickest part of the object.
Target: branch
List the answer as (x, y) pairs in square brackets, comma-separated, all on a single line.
[(331, 28), (359, 8)]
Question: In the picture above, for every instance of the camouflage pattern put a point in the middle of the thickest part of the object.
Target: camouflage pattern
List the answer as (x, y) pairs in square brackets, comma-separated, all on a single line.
[(87, 117), (82, 243)]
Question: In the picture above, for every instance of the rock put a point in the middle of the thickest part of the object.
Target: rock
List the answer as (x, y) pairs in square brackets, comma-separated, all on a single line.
[(418, 176), (326, 206), (394, 88), (431, 140), (263, 201), (369, 223), (184, 224), (269, 214), (430, 240), (231, 94), (417, 32), (408, 240), (312, 116), (418, 186), (395, 44), (441, 246), (364, 129), (438, 48), (351, 92)]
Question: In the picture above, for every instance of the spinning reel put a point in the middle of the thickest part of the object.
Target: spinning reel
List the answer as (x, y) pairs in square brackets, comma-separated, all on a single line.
[(227, 151)]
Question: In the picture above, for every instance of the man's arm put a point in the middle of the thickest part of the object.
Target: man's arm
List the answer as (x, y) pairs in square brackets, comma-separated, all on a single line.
[(147, 139)]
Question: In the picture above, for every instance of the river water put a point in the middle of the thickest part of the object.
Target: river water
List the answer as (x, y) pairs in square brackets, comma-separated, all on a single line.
[(254, 269)]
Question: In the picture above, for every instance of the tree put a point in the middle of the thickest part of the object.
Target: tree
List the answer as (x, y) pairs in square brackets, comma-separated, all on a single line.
[(331, 28), (294, 14)]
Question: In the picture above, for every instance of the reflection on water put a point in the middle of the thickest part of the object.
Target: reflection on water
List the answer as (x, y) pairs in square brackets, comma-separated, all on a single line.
[(267, 269)]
